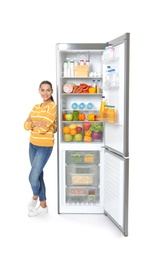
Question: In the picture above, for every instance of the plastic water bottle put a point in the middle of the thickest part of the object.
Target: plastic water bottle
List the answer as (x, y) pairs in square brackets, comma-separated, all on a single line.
[(72, 68), (113, 78), (65, 68)]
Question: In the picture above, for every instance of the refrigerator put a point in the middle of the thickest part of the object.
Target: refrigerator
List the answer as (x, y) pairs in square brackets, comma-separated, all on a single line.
[(93, 170)]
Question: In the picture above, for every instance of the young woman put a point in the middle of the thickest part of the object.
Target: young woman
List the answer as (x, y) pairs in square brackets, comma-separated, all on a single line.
[(42, 122)]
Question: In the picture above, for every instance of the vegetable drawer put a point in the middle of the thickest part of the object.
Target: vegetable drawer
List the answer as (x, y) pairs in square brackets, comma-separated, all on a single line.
[(82, 157)]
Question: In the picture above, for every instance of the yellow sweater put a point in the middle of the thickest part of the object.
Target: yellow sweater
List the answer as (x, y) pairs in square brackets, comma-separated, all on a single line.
[(43, 136)]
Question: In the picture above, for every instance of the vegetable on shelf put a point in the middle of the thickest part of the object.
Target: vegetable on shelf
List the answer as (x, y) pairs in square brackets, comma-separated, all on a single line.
[(92, 117), (81, 116), (87, 133), (87, 138), (89, 158)]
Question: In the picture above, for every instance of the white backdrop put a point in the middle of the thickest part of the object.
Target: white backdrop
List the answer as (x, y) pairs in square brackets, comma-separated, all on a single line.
[(29, 31)]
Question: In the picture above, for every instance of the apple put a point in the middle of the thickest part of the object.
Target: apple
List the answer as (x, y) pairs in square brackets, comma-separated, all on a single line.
[(68, 137), (87, 126), (79, 129), (69, 117), (78, 137)]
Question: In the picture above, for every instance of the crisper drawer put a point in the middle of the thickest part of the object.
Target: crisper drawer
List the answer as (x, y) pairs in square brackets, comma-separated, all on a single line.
[(82, 157), (82, 175), (83, 195), (82, 131)]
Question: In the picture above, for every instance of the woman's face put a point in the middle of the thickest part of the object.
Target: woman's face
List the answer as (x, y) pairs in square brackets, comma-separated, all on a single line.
[(45, 91)]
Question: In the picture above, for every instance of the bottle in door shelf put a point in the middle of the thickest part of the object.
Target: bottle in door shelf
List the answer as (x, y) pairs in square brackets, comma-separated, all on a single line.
[(111, 114), (102, 105), (105, 113)]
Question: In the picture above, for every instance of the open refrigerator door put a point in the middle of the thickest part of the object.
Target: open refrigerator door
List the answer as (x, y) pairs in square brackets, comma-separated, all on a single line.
[(116, 132)]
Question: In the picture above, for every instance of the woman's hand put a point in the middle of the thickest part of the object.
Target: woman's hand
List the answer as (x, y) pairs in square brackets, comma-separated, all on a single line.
[(39, 124)]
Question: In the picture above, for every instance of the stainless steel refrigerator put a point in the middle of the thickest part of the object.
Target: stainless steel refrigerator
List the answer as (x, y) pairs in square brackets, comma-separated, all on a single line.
[(93, 172)]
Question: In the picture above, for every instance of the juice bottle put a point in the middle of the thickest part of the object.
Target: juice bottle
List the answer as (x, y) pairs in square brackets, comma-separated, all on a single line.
[(105, 112), (103, 103), (111, 116)]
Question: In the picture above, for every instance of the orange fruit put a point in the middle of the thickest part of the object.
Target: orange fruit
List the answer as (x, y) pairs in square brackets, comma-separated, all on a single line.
[(66, 129), (73, 131)]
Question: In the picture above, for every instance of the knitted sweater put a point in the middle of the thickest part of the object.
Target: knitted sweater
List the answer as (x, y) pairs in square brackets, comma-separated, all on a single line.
[(43, 136)]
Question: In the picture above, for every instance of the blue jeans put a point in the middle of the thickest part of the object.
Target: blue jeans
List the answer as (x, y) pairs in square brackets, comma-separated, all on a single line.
[(39, 156)]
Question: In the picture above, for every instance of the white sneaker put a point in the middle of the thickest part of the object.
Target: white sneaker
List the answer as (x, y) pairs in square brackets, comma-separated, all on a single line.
[(38, 211), (32, 204)]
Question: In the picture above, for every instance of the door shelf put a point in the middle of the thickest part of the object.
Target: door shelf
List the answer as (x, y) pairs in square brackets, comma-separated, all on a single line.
[(109, 60)]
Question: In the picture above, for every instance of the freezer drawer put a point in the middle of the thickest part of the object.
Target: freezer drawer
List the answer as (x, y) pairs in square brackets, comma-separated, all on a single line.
[(82, 195), (82, 157), (82, 175)]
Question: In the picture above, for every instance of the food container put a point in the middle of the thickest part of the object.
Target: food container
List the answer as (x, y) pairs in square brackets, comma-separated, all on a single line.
[(82, 194), (82, 175), (82, 157), (81, 71)]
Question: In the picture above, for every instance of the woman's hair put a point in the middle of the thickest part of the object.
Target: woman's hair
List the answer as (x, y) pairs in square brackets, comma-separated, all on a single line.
[(49, 83)]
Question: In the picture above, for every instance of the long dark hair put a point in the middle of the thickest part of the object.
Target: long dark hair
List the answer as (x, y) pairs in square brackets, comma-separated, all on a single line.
[(49, 83)]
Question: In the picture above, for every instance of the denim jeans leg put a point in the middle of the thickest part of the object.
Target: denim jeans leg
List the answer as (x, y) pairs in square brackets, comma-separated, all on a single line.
[(39, 156)]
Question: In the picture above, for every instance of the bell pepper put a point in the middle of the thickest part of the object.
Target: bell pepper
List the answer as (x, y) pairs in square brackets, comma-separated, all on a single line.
[(91, 117), (87, 138), (81, 117), (87, 133)]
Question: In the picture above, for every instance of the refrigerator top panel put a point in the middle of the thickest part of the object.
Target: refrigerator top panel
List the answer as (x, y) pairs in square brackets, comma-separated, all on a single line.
[(81, 46)]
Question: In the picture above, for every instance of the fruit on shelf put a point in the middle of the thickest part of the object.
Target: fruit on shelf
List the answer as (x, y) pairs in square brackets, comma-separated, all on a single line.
[(79, 129), (72, 126), (68, 137), (69, 117), (78, 137), (66, 130), (73, 131)]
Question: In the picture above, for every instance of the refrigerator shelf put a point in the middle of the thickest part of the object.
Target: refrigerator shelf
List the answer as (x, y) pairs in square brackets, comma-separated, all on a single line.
[(81, 77), (81, 94)]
